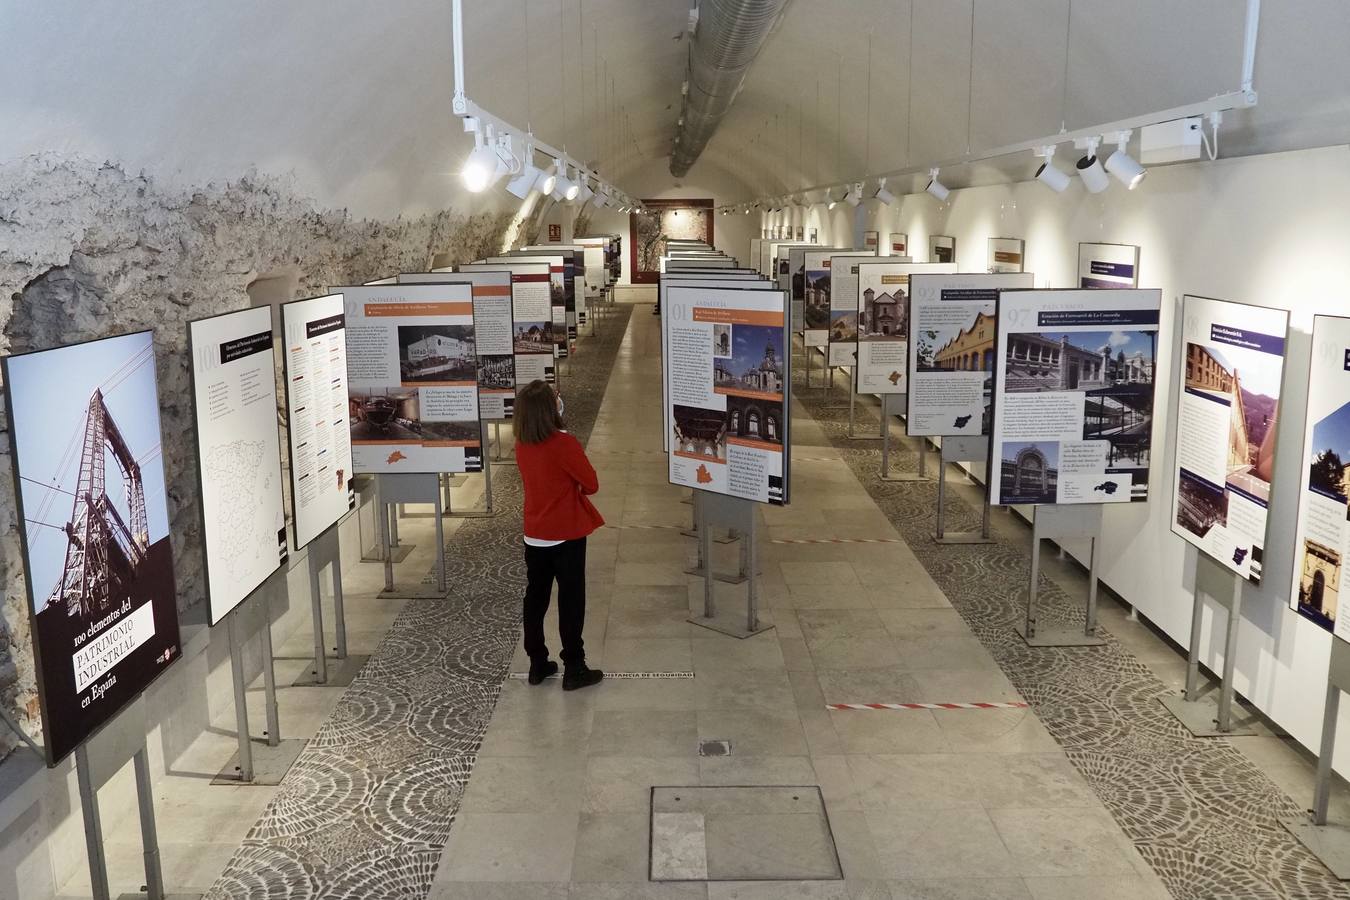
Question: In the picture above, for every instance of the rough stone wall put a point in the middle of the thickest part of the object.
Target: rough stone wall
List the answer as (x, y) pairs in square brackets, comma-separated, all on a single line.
[(88, 250)]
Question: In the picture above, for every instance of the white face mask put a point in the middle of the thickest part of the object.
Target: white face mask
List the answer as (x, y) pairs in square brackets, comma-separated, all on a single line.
[(561, 405)]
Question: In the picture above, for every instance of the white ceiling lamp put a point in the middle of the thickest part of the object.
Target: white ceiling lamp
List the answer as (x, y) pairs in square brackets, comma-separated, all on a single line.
[(584, 192), (484, 167), (1123, 166), (530, 178), (885, 197), (573, 186), (832, 202), (563, 186), (854, 195), (1048, 174), (935, 187), (1090, 167)]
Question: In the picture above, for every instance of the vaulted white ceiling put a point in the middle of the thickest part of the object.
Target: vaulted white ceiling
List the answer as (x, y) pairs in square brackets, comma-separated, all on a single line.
[(353, 98)]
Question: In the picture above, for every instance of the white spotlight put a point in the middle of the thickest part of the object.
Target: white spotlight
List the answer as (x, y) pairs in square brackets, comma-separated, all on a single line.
[(1090, 168), (530, 177), (854, 195), (832, 202), (1054, 178), (563, 186), (1123, 166), (484, 167), (935, 187), (884, 196)]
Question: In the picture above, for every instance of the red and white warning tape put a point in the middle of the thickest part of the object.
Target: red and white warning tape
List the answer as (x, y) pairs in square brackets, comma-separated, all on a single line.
[(903, 706), (649, 527), (837, 541)]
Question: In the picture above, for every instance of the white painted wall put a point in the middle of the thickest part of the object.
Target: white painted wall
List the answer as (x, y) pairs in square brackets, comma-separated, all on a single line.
[(1269, 230)]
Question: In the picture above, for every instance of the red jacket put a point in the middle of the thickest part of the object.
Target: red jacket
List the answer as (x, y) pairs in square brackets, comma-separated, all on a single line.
[(557, 477)]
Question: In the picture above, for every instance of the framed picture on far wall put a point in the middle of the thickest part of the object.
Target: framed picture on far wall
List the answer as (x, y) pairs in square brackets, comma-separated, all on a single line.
[(799, 232), (898, 243), (941, 248), (1005, 255), (871, 239), (1108, 266), (811, 236)]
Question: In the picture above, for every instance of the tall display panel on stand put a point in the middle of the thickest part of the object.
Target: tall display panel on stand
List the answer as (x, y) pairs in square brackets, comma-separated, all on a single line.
[(322, 490), (1072, 424), (882, 299), (532, 321), (243, 512), (951, 372), (727, 379), (85, 439), (413, 399), (1232, 372), (1320, 550), (559, 284)]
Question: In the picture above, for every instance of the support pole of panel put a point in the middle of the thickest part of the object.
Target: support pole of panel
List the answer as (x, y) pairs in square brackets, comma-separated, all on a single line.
[(1198, 710), (487, 511), (145, 804), (744, 514), (894, 405), (852, 420), (325, 552), (1056, 522), (269, 669), (245, 765), (1328, 841), (961, 448), (414, 488), (93, 826)]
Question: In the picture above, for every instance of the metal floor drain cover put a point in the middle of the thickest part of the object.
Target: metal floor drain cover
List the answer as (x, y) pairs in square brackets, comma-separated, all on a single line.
[(714, 748), (741, 834)]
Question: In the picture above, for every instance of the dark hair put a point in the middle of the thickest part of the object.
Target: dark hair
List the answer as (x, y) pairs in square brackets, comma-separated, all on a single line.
[(536, 415)]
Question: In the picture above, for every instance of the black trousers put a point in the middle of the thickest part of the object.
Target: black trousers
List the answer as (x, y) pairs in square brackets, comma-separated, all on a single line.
[(565, 564)]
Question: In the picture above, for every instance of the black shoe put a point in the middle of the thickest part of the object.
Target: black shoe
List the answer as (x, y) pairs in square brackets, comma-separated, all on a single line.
[(539, 673), (580, 678)]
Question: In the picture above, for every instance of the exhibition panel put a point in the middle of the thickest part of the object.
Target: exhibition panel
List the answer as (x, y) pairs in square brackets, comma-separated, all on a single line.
[(1006, 255), (843, 308), (493, 328), (531, 316), (794, 280), (898, 243), (1232, 366), (234, 391), (951, 321), (561, 288), (1108, 266), (412, 378), (882, 306), (582, 286), (317, 414), (727, 377), (1074, 379), (941, 248), (100, 580), (1322, 542), (817, 279)]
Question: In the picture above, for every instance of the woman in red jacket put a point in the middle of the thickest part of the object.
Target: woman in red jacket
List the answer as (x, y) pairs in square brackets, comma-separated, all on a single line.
[(557, 477)]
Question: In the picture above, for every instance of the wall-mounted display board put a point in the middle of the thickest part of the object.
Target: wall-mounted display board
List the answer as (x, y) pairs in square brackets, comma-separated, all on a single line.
[(1232, 370), (558, 282), (1006, 255), (1322, 542), (727, 371), (234, 389), (662, 222), (951, 349), (85, 437), (412, 378), (842, 336), (493, 330), (317, 418), (531, 317), (1074, 375), (941, 248), (881, 298), (871, 240), (897, 243), (1108, 266)]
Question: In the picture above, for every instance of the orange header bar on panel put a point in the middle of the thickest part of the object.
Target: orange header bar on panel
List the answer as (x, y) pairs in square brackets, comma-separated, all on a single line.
[(384, 310), (772, 318)]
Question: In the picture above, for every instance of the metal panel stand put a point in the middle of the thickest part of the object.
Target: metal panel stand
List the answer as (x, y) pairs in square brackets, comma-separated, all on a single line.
[(852, 407), (961, 448), (497, 444), (256, 762), (751, 625), (1328, 841), (721, 511), (806, 350), (97, 760), (1200, 712), (395, 489), (828, 388), (325, 552), (1049, 522), (692, 531), (390, 546), (896, 405), (487, 512)]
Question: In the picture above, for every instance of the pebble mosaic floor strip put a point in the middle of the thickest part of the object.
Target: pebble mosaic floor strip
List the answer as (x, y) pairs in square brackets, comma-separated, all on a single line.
[(366, 810), (1204, 817)]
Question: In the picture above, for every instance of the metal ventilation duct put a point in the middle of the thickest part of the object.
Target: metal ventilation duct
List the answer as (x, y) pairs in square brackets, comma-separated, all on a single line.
[(730, 34)]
